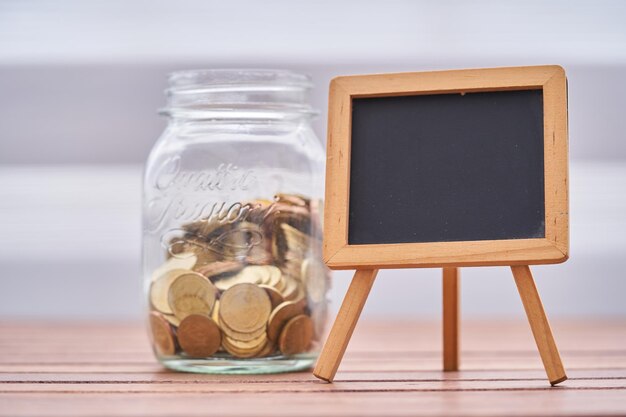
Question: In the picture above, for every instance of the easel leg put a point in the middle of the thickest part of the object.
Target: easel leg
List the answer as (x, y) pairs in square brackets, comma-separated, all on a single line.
[(344, 325), (450, 319), (539, 324)]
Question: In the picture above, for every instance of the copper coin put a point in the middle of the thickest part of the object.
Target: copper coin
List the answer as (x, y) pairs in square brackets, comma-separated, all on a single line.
[(162, 335), (296, 335), (179, 261), (280, 316), (199, 336), (275, 296)]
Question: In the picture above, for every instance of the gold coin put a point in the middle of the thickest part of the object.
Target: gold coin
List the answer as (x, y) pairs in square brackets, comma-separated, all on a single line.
[(257, 210), (199, 336), (191, 293), (218, 268), (275, 296), (274, 275), (243, 337), (258, 255), (293, 268), (185, 260), (280, 285), (291, 288), (202, 228), (243, 349), (281, 315), (294, 236), (162, 335), (299, 296), (262, 202), (296, 335), (241, 353), (172, 319), (201, 249), (248, 275), (268, 349), (245, 308), (215, 313), (316, 207), (249, 345), (292, 212), (292, 199), (160, 288), (261, 273), (314, 274), (236, 242)]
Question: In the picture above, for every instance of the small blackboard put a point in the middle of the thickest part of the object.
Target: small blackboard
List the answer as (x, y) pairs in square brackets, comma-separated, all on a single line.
[(447, 167)]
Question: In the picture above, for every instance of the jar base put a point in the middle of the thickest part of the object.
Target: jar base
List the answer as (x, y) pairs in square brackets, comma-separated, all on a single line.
[(234, 366)]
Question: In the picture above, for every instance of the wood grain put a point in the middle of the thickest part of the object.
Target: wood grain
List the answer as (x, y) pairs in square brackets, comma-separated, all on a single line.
[(344, 324), (554, 248), (450, 319), (539, 324), (392, 368)]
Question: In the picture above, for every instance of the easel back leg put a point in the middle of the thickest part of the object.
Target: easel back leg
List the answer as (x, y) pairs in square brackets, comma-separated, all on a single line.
[(450, 319)]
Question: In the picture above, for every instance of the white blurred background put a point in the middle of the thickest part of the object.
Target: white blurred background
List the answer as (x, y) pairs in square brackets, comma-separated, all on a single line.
[(80, 83)]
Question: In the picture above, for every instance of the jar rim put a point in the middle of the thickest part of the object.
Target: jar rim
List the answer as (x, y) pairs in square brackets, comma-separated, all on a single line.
[(202, 78), (236, 93)]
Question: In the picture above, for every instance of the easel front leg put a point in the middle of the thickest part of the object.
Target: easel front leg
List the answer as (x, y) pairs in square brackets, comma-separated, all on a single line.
[(450, 319), (344, 325), (539, 324)]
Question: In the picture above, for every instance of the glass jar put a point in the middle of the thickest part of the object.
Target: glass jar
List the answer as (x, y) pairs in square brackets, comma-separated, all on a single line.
[(232, 230)]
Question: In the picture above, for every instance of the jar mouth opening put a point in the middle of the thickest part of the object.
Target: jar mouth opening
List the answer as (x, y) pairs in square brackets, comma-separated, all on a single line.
[(238, 93), (203, 79)]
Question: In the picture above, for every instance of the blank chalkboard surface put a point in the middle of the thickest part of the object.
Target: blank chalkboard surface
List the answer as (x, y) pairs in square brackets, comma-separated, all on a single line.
[(447, 167)]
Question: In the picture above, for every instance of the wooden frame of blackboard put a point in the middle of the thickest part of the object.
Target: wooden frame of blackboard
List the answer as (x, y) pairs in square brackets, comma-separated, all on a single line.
[(554, 248)]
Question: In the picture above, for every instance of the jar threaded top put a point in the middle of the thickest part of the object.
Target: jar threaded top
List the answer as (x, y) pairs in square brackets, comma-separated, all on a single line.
[(238, 94)]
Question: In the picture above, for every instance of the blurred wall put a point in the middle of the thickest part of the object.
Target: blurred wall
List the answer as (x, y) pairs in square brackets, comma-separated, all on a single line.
[(80, 82)]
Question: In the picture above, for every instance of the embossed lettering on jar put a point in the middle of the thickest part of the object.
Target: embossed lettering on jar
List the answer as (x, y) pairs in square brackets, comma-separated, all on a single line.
[(232, 232)]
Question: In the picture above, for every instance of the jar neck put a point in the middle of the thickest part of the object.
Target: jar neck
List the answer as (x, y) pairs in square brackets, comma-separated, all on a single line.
[(250, 96)]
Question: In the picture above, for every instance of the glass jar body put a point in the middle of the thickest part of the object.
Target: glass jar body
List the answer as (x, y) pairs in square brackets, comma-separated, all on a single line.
[(233, 275)]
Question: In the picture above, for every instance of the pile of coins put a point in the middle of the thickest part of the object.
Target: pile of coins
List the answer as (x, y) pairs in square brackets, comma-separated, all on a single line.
[(248, 288)]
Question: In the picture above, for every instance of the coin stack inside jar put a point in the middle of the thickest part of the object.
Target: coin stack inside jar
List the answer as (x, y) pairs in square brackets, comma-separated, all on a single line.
[(249, 287)]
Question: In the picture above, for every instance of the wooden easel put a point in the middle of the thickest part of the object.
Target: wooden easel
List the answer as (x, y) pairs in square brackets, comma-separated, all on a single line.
[(367, 254), (359, 289)]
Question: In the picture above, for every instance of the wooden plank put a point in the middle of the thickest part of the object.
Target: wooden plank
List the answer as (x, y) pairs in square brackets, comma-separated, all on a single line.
[(259, 385), (372, 335), (302, 377), (483, 362), (344, 324), (539, 324), (554, 402), (450, 319)]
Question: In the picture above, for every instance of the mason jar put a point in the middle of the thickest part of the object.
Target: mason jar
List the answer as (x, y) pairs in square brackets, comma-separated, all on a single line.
[(232, 201)]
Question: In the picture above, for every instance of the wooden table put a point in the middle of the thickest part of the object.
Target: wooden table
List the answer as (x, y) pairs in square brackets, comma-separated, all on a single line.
[(391, 368)]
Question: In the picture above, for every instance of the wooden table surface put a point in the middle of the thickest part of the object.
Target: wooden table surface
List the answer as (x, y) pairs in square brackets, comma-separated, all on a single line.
[(390, 368)]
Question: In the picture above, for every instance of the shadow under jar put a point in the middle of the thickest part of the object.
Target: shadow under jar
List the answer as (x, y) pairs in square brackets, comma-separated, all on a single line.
[(232, 230)]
